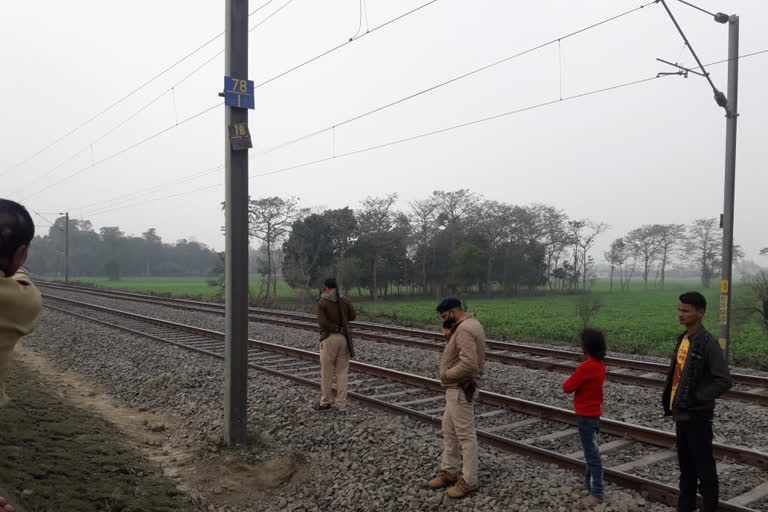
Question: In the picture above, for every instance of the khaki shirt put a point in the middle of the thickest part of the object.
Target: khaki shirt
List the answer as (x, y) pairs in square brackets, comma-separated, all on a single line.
[(464, 355), (20, 304)]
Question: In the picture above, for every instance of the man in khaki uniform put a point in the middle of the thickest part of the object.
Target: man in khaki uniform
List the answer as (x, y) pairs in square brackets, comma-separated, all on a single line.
[(20, 301), (333, 314), (461, 374)]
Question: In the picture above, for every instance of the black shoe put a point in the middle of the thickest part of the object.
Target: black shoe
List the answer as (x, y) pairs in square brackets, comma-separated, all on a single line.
[(321, 408)]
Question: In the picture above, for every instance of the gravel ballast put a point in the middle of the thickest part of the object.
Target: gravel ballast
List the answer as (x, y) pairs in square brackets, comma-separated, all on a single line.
[(736, 423), (365, 460)]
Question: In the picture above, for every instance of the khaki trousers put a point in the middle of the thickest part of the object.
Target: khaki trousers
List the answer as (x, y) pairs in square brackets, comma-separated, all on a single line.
[(459, 432), (5, 356), (334, 360)]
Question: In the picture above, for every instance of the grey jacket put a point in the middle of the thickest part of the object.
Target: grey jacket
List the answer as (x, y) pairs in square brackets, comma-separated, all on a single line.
[(705, 377)]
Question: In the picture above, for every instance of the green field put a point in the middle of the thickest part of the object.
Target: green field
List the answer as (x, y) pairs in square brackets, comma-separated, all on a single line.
[(635, 321)]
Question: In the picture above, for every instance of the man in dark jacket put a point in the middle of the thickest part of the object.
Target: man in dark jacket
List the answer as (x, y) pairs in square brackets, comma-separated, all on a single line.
[(697, 375), (333, 312)]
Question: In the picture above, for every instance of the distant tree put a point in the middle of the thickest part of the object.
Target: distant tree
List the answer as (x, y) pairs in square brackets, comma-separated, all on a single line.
[(575, 232), (555, 238), (375, 223), (423, 221), (644, 243), (755, 302), (316, 243), (704, 246), (152, 249), (269, 220), (616, 256), (492, 224), (112, 236), (587, 241), (670, 237), (764, 251), (469, 261), (583, 235)]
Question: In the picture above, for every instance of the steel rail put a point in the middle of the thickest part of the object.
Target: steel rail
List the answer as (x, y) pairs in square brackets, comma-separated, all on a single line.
[(368, 330), (654, 490), (647, 435)]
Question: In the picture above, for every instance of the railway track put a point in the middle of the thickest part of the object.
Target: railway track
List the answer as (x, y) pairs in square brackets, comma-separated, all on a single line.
[(747, 388), (631, 453)]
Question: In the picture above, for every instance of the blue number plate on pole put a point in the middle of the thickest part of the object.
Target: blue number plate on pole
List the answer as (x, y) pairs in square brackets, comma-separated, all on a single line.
[(238, 93)]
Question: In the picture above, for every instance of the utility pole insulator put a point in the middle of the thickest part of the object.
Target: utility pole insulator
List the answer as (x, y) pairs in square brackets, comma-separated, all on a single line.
[(722, 18), (721, 99)]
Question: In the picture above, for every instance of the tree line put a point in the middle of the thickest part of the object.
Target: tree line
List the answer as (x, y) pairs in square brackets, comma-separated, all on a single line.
[(110, 252), (455, 241), (653, 246)]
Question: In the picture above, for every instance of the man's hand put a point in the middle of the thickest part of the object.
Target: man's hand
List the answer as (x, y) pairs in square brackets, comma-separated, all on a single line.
[(6, 506)]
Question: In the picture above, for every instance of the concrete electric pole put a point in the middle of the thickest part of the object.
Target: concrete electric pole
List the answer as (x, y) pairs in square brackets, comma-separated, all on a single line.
[(66, 246), (238, 94), (730, 105)]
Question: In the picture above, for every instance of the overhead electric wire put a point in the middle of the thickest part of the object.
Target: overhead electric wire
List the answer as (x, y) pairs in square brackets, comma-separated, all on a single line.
[(427, 134), (411, 138), (124, 150), (177, 194), (46, 220), (209, 60), (145, 106), (131, 196), (297, 139), (122, 99), (450, 81), (458, 126), (342, 45)]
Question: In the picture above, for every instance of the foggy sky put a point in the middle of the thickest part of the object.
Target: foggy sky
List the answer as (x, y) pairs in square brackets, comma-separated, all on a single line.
[(651, 153)]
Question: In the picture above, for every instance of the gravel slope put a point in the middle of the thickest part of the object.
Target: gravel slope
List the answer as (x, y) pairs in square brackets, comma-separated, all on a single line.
[(366, 460), (736, 423)]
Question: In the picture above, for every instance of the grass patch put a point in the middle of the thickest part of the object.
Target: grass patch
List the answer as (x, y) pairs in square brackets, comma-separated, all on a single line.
[(58, 457), (634, 321)]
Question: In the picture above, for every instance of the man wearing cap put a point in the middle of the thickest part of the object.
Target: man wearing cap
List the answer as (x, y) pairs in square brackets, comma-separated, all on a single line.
[(334, 311), (461, 374)]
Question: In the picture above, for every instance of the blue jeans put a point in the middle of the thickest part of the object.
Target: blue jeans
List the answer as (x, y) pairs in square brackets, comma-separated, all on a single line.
[(589, 428)]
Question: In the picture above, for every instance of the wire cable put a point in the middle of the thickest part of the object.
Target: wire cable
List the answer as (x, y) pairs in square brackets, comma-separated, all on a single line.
[(456, 78), (45, 219), (124, 150), (510, 113), (148, 104), (131, 196), (123, 98), (342, 45), (459, 126), (719, 96)]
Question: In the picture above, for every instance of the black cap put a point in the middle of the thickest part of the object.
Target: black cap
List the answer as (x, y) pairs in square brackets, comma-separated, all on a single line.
[(330, 283), (448, 304)]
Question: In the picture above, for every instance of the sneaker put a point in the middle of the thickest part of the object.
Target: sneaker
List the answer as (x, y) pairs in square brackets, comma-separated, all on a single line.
[(321, 407), (443, 479), (591, 501), (342, 411), (461, 489)]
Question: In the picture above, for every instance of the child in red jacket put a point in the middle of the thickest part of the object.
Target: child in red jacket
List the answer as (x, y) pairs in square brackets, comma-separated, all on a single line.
[(587, 382)]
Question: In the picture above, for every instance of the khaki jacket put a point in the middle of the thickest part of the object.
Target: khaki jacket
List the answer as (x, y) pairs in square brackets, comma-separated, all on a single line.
[(20, 304), (464, 355), (328, 313)]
